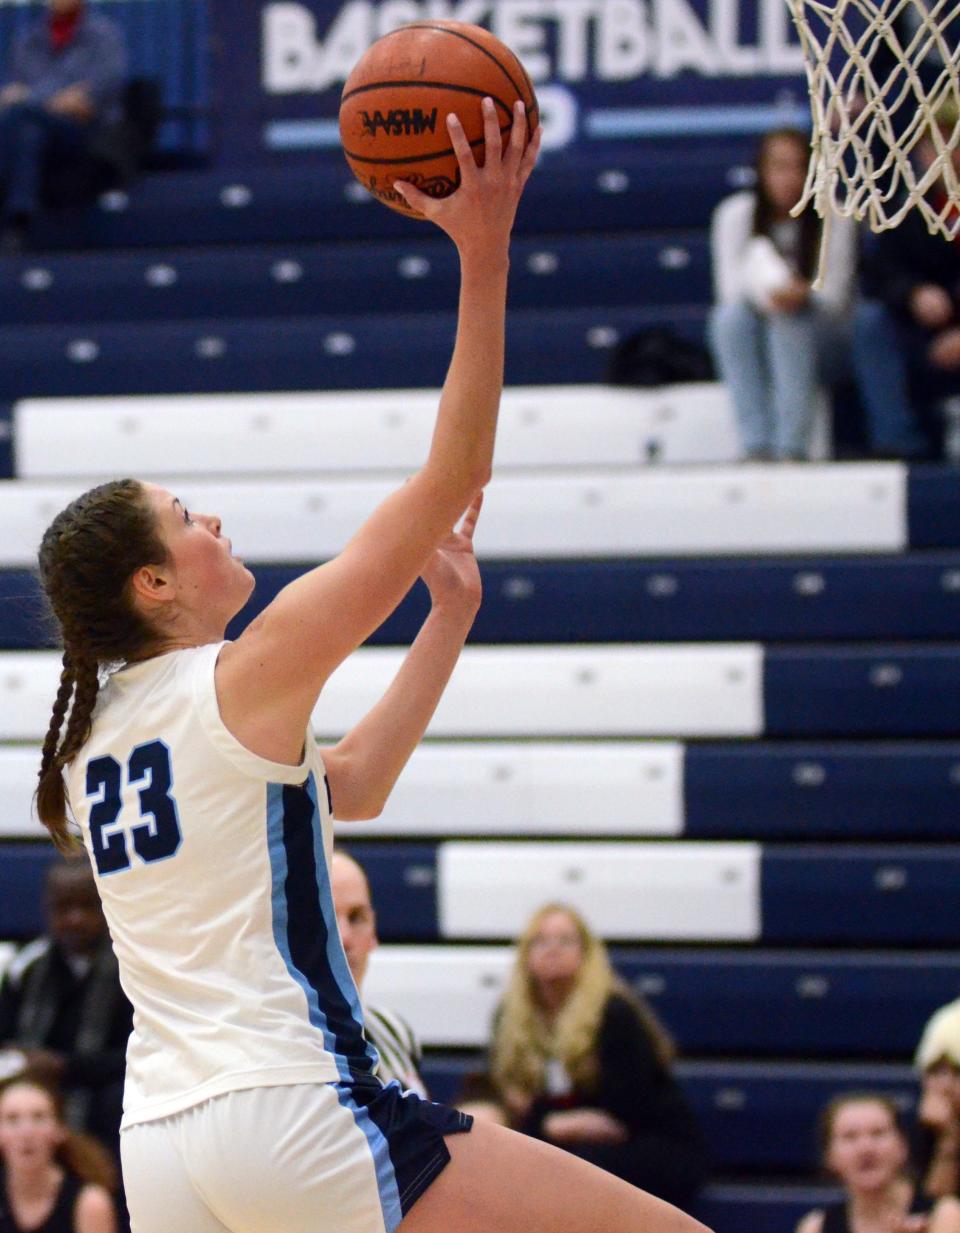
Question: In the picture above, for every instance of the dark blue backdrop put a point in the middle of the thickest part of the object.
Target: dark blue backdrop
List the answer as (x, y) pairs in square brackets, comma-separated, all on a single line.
[(605, 70), (252, 80)]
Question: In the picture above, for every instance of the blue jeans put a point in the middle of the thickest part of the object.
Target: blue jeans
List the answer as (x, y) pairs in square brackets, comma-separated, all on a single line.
[(896, 382), (29, 137), (773, 365)]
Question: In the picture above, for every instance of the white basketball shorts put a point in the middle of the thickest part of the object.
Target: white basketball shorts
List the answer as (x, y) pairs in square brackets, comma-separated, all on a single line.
[(300, 1159)]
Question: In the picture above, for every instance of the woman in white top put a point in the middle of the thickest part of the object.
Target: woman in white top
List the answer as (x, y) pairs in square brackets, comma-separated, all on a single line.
[(251, 1102), (774, 339)]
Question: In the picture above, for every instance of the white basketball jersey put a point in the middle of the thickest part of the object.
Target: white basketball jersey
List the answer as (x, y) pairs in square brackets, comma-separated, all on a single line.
[(212, 864)]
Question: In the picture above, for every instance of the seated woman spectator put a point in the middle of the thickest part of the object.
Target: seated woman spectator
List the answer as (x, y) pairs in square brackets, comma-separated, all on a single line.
[(865, 1148), (580, 1061), (51, 1179), (774, 339), (938, 1114)]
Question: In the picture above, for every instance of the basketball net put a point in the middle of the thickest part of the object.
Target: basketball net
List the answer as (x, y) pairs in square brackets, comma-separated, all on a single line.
[(885, 101)]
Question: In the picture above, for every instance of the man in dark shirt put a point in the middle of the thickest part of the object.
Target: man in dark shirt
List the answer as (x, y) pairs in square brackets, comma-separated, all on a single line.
[(62, 1011), (66, 78), (907, 329)]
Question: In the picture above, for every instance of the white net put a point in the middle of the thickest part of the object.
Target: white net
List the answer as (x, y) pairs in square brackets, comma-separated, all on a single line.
[(885, 99)]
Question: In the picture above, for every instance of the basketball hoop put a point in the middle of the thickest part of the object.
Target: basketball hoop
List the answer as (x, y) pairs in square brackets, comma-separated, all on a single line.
[(885, 102)]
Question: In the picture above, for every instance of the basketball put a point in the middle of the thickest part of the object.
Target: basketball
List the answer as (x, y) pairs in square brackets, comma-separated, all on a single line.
[(395, 104)]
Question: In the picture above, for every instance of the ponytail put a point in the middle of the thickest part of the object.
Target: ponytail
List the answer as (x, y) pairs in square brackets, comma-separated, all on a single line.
[(88, 555), (51, 796), (81, 678)]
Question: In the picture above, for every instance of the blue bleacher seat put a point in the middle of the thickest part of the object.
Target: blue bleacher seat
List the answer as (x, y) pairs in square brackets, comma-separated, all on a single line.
[(761, 1208), (808, 1004), (22, 623), (414, 275), (403, 884), (862, 691), (933, 503), (327, 352), (699, 601), (861, 896), (756, 1116), (762, 1117), (304, 200), (821, 790), (22, 870)]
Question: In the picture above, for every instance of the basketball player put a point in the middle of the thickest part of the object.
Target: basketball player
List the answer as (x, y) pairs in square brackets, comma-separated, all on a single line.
[(252, 1103)]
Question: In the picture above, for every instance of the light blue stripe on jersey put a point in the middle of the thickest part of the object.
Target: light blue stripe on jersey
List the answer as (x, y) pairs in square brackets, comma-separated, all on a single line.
[(279, 869), (380, 1151), (336, 956)]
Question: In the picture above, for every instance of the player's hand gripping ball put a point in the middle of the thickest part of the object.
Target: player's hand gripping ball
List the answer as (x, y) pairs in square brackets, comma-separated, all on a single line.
[(395, 103)]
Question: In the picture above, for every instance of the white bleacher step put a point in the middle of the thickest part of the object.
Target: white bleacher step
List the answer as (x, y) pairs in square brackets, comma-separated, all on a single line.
[(547, 788), (640, 513), (583, 691), (630, 891), (590, 788), (447, 994), (19, 765), (382, 430)]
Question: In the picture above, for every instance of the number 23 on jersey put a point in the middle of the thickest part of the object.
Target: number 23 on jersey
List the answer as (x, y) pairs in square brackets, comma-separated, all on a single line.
[(157, 836)]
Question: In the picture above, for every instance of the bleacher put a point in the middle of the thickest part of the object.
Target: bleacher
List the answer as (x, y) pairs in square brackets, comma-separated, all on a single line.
[(714, 707)]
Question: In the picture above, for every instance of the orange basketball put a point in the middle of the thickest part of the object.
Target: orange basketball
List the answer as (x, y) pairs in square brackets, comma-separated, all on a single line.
[(395, 103)]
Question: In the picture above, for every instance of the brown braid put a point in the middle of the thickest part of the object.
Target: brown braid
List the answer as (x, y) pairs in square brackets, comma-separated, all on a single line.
[(51, 795), (87, 557)]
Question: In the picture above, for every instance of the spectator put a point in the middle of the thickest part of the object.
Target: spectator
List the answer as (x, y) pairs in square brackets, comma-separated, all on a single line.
[(62, 1011), (390, 1035), (52, 1180), (775, 340), (906, 338), (865, 1148), (580, 1061), (938, 1059), (66, 79)]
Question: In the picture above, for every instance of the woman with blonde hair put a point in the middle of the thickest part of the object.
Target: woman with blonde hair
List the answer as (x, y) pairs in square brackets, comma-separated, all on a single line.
[(580, 1061), (52, 1180), (865, 1148), (938, 1114)]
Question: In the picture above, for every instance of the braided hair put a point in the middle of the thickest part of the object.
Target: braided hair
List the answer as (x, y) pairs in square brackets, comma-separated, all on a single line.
[(87, 557)]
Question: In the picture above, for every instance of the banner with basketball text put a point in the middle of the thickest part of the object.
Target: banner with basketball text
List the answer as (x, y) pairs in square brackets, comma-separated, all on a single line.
[(605, 70)]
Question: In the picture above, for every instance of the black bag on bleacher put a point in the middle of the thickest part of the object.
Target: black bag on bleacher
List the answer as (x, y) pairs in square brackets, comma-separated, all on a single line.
[(658, 356)]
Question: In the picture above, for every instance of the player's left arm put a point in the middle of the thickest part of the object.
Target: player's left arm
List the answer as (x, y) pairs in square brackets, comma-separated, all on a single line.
[(363, 767)]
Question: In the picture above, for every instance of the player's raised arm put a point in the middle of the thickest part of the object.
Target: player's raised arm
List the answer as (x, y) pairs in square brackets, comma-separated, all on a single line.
[(268, 681), (364, 765)]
